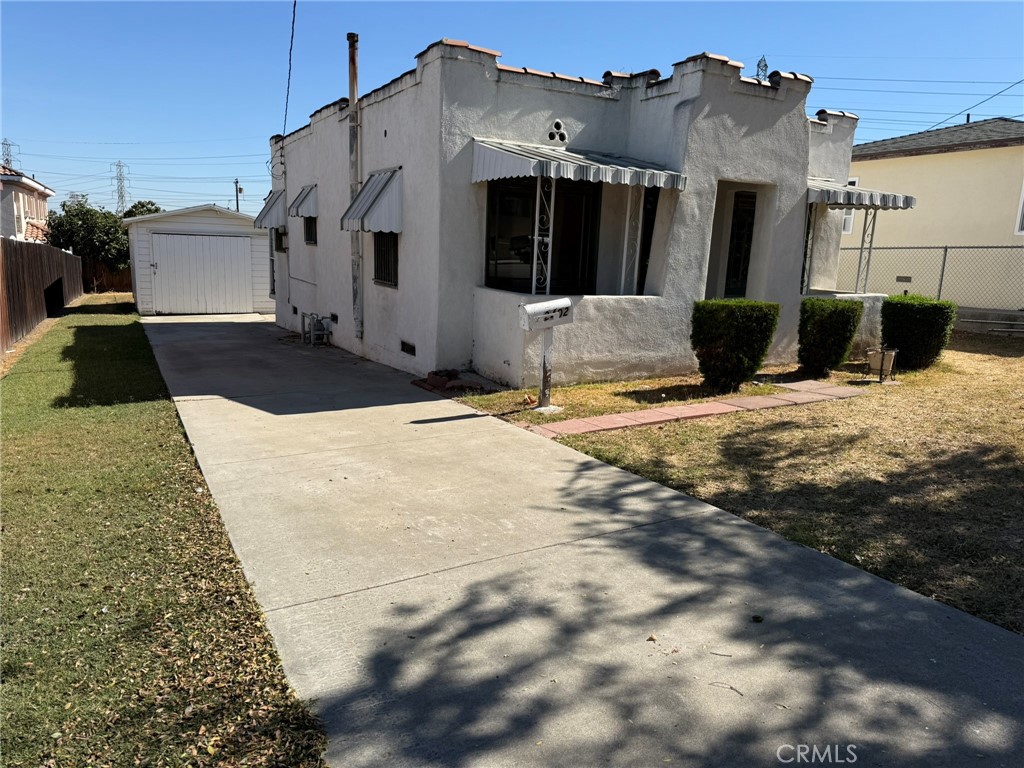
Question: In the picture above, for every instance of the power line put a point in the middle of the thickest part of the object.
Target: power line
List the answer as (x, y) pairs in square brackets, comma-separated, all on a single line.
[(288, 87), (943, 58), (162, 157), (976, 105), (901, 80), (122, 143), (918, 93)]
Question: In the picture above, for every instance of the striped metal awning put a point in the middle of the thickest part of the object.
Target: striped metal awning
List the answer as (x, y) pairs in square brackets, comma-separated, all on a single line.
[(304, 203), (836, 195), (378, 206), (494, 159), (273, 213)]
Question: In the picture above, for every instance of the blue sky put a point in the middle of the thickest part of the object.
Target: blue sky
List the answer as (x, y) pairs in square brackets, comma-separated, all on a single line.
[(186, 94)]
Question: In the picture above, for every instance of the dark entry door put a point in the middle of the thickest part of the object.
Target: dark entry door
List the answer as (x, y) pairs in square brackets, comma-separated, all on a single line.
[(741, 238)]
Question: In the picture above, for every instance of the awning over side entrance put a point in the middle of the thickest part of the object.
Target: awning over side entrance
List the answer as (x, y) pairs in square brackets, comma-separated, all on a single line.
[(494, 159), (378, 206), (304, 204), (273, 213), (836, 195)]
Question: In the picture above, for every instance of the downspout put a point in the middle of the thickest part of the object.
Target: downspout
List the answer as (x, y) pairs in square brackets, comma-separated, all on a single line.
[(355, 177)]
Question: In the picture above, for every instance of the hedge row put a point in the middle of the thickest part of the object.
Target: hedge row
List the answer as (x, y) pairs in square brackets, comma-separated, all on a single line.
[(730, 337)]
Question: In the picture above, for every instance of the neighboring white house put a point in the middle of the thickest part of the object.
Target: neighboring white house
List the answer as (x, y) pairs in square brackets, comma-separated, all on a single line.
[(200, 260), (485, 187), (22, 206)]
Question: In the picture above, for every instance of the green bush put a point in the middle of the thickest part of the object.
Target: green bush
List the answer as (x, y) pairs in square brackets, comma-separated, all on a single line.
[(918, 327), (827, 328), (730, 338)]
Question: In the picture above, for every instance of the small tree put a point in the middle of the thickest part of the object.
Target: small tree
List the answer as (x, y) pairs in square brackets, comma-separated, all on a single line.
[(95, 234), (731, 338), (141, 208), (827, 328)]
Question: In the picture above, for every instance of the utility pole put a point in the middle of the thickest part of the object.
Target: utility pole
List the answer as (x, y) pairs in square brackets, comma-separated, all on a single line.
[(8, 154), (238, 191), (762, 68), (122, 192)]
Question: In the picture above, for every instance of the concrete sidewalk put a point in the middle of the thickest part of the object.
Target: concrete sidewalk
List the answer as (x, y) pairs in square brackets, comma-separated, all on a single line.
[(451, 590)]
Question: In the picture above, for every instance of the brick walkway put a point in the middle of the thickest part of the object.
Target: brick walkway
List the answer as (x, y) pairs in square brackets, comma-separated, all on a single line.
[(801, 392)]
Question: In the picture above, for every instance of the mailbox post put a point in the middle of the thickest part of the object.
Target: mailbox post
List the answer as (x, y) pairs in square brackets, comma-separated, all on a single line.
[(544, 316)]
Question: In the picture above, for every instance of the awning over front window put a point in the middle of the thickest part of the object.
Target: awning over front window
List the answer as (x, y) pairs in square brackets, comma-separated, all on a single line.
[(836, 195), (507, 160), (273, 213), (304, 204), (378, 206)]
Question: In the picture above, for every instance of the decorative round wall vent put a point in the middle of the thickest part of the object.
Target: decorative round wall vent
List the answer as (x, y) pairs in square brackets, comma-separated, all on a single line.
[(557, 132)]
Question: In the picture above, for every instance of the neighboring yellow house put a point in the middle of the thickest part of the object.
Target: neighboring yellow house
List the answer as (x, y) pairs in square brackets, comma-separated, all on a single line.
[(964, 240)]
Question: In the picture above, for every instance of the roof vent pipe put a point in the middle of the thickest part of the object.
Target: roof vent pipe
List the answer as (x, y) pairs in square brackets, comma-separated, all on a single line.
[(355, 178)]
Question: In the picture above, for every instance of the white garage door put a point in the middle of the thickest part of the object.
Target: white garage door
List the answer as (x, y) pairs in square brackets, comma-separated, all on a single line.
[(201, 274)]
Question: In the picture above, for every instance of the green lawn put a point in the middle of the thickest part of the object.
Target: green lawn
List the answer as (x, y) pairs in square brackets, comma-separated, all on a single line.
[(130, 636)]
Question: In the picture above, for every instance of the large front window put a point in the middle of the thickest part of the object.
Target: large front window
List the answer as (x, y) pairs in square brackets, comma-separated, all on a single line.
[(512, 226)]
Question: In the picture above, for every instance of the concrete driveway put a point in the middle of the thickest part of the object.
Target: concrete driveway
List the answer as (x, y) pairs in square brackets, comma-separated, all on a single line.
[(450, 590)]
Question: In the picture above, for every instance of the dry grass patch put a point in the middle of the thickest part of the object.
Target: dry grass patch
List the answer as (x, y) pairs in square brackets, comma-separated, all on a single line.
[(921, 483), (583, 400)]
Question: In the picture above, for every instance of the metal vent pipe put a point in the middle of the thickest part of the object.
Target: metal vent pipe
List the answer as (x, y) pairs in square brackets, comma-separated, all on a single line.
[(355, 176)]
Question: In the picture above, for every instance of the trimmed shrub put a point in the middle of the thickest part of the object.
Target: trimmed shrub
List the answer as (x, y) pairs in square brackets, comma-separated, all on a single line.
[(827, 328), (918, 327), (731, 338)]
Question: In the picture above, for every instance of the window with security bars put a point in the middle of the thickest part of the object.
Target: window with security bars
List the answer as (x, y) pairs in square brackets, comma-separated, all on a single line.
[(385, 258)]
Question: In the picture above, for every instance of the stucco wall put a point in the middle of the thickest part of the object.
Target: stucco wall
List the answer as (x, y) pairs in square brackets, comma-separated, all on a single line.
[(654, 329), (963, 198), (703, 120), (400, 127)]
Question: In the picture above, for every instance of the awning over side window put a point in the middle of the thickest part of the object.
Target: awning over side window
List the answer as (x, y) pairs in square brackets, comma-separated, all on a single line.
[(378, 206), (507, 160), (304, 203), (273, 213), (836, 195)]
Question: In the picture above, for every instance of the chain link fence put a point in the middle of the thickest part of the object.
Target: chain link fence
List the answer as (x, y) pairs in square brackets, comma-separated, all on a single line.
[(986, 277)]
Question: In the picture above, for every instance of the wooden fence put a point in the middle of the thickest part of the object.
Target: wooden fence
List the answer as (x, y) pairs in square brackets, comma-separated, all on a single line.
[(99, 278), (36, 281)]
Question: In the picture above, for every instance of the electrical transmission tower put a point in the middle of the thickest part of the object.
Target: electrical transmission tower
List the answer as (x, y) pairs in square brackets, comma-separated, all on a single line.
[(762, 68), (8, 158), (119, 169)]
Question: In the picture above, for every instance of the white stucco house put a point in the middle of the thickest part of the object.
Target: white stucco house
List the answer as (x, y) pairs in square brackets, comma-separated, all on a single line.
[(484, 186), (199, 260)]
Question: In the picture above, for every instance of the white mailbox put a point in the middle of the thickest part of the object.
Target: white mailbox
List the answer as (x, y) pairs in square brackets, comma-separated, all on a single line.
[(545, 314)]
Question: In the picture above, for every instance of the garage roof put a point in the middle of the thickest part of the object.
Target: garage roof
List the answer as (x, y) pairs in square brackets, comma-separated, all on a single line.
[(194, 209)]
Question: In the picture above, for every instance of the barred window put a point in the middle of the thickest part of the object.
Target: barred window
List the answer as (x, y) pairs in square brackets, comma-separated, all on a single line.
[(385, 258), (309, 225)]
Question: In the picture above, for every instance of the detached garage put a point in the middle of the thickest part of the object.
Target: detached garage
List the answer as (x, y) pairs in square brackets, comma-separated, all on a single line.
[(196, 261)]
